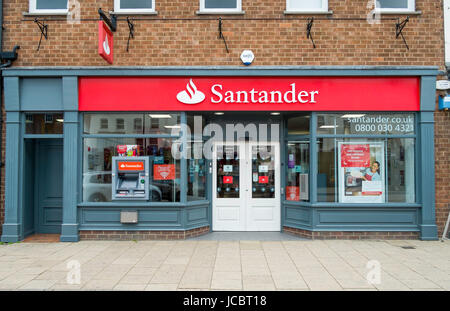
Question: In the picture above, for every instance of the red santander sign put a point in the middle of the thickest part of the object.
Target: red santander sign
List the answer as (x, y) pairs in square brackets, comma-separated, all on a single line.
[(249, 93), (105, 42)]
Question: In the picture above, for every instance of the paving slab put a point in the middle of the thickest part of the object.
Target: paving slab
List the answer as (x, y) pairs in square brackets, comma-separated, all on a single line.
[(227, 264)]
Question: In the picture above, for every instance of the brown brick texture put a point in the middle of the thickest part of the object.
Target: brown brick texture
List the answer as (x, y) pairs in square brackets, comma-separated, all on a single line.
[(177, 36), (141, 235), (352, 235)]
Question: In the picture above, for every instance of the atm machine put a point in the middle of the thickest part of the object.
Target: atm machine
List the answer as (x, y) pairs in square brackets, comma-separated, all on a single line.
[(130, 178)]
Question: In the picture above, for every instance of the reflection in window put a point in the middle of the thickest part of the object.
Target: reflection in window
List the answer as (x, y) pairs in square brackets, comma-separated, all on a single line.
[(50, 123), (120, 124), (131, 123)]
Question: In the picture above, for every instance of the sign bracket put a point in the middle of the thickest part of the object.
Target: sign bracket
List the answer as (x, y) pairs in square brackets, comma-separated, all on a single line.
[(221, 36), (131, 33), (308, 31), (44, 31), (110, 21), (399, 29)]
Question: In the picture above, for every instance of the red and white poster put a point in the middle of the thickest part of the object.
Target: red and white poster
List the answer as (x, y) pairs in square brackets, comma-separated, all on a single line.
[(292, 193), (105, 42), (227, 179), (355, 155), (164, 172), (263, 179), (361, 172)]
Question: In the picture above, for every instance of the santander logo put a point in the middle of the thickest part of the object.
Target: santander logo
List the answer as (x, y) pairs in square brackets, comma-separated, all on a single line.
[(191, 95), (106, 46)]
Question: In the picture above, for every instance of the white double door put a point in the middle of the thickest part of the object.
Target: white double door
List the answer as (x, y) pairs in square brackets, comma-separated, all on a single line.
[(246, 186)]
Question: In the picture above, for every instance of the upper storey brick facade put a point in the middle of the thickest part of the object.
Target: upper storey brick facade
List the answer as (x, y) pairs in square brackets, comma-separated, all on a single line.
[(177, 36)]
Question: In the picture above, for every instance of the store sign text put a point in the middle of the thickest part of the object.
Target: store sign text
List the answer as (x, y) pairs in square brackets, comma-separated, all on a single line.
[(255, 96)]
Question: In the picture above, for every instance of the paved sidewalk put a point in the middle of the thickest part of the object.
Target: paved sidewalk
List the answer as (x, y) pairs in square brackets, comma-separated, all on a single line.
[(226, 265)]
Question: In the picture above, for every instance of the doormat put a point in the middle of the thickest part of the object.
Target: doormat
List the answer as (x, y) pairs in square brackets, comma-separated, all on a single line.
[(42, 238)]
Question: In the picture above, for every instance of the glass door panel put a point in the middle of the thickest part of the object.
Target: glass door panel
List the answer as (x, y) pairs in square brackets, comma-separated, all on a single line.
[(263, 171), (227, 166)]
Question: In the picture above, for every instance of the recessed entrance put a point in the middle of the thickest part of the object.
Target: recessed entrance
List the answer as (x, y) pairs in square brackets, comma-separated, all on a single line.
[(246, 186), (43, 172)]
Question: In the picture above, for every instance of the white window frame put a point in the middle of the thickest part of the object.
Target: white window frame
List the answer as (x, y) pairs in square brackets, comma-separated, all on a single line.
[(218, 10), (32, 9), (411, 8), (289, 8), (117, 8)]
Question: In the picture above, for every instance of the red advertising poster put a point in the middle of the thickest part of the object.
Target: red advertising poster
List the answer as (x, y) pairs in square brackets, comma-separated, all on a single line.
[(163, 171), (130, 166), (263, 179), (292, 193), (227, 179), (355, 155), (105, 42)]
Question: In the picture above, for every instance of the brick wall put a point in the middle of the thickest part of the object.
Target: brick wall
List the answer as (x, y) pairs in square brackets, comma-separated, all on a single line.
[(442, 167), (141, 235), (352, 235), (194, 41), (165, 40)]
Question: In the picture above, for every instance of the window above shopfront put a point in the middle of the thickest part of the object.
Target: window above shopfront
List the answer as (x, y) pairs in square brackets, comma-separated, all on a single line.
[(220, 6), (48, 6), (393, 6), (134, 6), (306, 6)]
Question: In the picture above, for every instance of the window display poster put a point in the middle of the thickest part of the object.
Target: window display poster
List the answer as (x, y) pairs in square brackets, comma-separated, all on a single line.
[(164, 172), (292, 193), (361, 172)]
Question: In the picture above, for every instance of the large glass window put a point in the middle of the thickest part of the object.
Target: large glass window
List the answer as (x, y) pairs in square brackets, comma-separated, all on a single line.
[(98, 150), (363, 169), (297, 175)]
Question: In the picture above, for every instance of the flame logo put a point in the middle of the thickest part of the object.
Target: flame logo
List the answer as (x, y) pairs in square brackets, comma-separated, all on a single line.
[(191, 95), (106, 46)]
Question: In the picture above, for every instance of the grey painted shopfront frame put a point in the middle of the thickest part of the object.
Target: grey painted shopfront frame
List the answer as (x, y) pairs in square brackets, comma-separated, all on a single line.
[(54, 89)]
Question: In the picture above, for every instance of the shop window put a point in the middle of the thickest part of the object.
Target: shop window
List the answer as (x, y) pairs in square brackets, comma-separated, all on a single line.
[(365, 124), (366, 169), (306, 5), (97, 160), (395, 5), (50, 123), (298, 125), (196, 174), (134, 6), (152, 123), (297, 174), (196, 161), (220, 6), (48, 6)]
